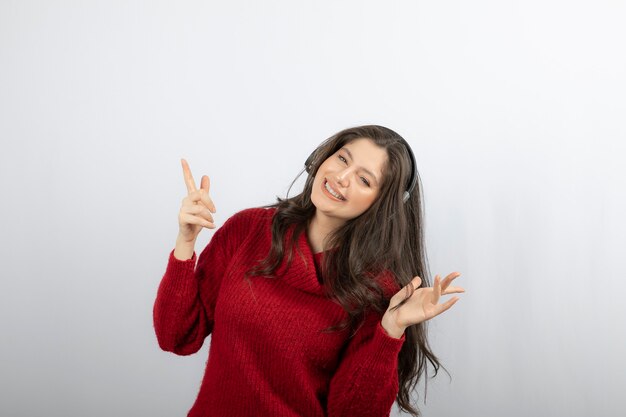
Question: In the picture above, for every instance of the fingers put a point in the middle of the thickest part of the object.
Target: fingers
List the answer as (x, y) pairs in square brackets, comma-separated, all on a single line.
[(417, 282), (199, 210), (195, 195), (436, 290), (199, 196), (205, 183), (189, 182), (191, 219), (412, 286), (448, 280), (445, 306), (410, 289), (453, 290)]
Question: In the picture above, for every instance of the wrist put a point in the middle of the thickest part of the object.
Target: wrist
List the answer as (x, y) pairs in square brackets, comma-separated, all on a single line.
[(390, 326), (182, 240), (184, 249)]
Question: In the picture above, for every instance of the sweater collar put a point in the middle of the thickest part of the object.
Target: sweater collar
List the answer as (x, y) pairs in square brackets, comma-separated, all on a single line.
[(301, 273)]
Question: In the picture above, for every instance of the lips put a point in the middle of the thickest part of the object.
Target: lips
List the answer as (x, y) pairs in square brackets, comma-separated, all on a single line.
[(334, 189)]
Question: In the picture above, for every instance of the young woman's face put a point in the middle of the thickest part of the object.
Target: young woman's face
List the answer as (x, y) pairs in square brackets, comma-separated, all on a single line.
[(348, 182)]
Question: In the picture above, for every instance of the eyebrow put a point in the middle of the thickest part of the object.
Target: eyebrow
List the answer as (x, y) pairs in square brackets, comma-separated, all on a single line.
[(367, 171)]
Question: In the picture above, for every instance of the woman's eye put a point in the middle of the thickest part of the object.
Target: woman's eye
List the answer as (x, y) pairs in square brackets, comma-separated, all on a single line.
[(365, 181)]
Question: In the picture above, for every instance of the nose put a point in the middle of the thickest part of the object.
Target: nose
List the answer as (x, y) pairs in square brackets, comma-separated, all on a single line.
[(342, 177)]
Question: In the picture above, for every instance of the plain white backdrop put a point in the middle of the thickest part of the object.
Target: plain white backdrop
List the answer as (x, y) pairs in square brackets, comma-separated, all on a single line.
[(514, 109)]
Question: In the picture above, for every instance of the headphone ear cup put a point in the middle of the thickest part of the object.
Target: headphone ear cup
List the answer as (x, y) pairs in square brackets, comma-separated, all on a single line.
[(308, 163), (413, 179)]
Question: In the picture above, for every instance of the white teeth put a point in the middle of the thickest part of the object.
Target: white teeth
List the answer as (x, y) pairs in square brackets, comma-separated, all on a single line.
[(330, 190)]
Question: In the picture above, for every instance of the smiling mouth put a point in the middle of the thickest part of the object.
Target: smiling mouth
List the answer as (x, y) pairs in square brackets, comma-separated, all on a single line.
[(334, 194)]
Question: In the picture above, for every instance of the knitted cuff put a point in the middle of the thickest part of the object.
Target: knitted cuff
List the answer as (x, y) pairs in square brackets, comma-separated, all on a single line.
[(386, 342)]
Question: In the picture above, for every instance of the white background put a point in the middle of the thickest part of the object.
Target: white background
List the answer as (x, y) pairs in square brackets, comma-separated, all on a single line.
[(514, 109)]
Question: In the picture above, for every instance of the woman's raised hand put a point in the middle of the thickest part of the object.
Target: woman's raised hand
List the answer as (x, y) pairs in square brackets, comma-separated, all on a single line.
[(197, 207), (421, 303)]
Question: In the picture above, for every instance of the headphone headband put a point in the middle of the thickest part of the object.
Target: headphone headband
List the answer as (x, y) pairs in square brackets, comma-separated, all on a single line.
[(412, 180)]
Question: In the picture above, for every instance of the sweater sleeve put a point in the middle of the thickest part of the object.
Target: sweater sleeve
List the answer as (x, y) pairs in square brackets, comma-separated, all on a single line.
[(366, 381), (184, 307)]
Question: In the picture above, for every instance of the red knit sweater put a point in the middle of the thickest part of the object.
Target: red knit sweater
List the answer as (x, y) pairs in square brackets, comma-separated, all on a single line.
[(268, 355)]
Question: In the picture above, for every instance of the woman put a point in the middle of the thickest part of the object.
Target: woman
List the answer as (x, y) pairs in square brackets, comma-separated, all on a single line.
[(316, 304)]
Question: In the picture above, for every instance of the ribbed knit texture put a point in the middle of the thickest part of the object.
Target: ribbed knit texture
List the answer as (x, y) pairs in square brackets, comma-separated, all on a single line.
[(269, 355)]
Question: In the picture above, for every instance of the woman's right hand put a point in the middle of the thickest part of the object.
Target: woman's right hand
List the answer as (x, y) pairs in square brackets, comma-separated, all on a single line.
[(197, 207)]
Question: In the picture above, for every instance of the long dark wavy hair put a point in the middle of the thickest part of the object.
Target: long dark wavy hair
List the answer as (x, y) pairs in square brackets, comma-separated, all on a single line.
[(388, 236)]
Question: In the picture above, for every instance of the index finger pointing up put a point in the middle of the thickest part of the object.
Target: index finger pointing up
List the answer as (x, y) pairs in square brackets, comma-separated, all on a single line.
[(191, 184)]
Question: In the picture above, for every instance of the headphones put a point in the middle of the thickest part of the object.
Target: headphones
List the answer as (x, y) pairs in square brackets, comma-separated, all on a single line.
[(412, 180)]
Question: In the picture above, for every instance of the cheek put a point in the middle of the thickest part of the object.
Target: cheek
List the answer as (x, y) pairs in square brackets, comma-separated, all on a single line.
[(321, 171), (366, 199)]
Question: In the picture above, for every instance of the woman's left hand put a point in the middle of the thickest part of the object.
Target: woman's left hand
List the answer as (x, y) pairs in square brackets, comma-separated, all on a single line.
[(422, 304)]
